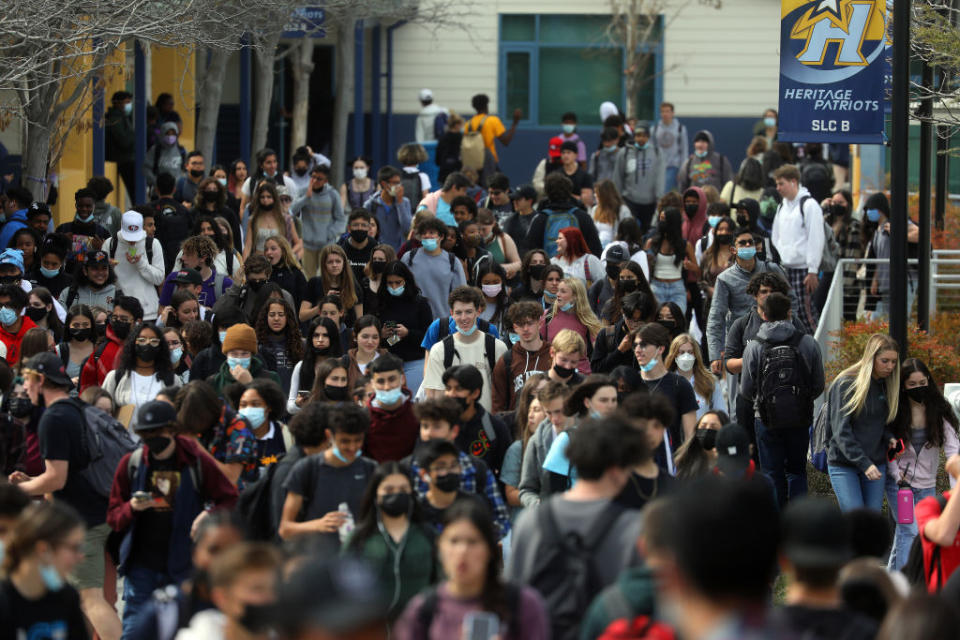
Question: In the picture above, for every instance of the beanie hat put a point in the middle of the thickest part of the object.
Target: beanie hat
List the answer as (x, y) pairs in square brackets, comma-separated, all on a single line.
[(240, 336)]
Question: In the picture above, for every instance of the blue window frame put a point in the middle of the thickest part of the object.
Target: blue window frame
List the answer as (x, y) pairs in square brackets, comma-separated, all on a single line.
[(550, 64)]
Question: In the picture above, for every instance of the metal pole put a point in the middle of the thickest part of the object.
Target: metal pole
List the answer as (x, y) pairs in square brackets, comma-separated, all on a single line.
[(358, 88), (139, 121), (942, 173), (923, 248), (899, 145), (99, 142), (376, 142)]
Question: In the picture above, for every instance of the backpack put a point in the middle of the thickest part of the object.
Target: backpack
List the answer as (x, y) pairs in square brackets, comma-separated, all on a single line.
[(412, 185), (113, 247), (440, 125), (254, 507), (557, 220), (817, 177), (450, 350), (915, 570), (413, 252), (564, 570), (104, 441), (472, 147), (428, 609), (783, 399)]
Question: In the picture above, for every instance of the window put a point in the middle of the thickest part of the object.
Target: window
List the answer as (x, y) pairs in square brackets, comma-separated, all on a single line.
[(551, 64)]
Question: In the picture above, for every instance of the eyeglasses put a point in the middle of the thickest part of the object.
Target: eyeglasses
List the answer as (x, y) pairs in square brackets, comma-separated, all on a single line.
[(641, 345), (153, 342)]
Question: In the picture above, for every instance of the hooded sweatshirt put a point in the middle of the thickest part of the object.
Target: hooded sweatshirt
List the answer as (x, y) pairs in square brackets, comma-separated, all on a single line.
[(507, 385), (163, 158), (693, 227), (534, 479), (392, 434), (639, 173), (775, 333), (713, 169), (95, 369), (12, 340), (322, 215), (16, 221), (798, 235)]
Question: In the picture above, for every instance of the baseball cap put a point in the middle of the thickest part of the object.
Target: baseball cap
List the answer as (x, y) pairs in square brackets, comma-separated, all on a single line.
[(51, 366), (526, 191), (553, 150), (616, 254), (426, 94), (154, 415), (188, 276), (131, 227), (97, 257), (815, 534), (12, 256), (569, 145), (733, 450)]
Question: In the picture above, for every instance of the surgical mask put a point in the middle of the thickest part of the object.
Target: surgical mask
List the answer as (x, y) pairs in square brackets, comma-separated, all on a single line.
[(627, 286), (222, 335), (685, 361), (101, 328), (146, 352), (691, 209), (769, 122), (86, 220), (873, 215), (121, 328), (725, 239), (243, 362), (448, 482), (300, 172), (569, 128), (8, 316), (128, 108), (175, 355), (395, 504), (746, 253), (335, 450), (743, 220), (256, 284), (536, 271), (700, 154), (596, 415), (563, 372), (566, 307), (358, 235), (613, 271), (20, 407), (514, 337), (255, 415), (393, 190), (707, 438), (669, 325), (649, 366), (49, 273), (713, 220), (51, 578), (389, 397), (491, 290), (429, 244), (359, 174), (222, 181), (396, 291), (378, 267), (611, 149), (170, 140), (467, 332), (337, 394), (549, 296)]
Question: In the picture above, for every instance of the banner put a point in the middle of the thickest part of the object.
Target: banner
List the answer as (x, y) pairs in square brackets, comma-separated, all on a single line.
[(832, 71)]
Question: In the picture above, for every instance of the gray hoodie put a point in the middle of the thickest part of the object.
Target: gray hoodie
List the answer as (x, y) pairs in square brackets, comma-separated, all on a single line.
[(322, 216), (163, 158), (713, 169), (731, 300), (639, 173), (533, 478), (777, 333)]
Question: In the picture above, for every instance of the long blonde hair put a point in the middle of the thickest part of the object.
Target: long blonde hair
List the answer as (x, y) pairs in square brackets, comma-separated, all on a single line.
[(862, 374), (348, 294), (581, 306), (703, 381), (289, 259)]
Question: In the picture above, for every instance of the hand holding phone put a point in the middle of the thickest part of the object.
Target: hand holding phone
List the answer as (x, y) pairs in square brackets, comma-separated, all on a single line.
[(896, 448), (480, 625)]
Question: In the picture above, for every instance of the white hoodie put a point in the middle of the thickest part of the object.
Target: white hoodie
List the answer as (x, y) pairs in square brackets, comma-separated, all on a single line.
[(139, 279), (798, 237), (206, 625)]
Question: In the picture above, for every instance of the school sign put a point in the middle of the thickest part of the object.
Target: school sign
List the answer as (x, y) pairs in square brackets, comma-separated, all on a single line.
[(832, 71)]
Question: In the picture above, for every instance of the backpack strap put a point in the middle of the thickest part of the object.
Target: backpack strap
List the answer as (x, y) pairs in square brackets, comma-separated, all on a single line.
[(803, 220), (449, 350), (113, 245), (586, 267), (428, 608), (133, 464), (443, 328), (615, 603), (229, 259), (487, 422), (218, 282), (490, 349)]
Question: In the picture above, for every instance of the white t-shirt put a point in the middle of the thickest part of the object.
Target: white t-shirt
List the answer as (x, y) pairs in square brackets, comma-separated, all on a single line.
[(466, 353)]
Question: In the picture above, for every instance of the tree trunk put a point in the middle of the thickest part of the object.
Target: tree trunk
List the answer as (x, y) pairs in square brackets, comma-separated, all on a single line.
[(632, 60), (211, 92), (36, 155), (301, 63), (266, 56), (343, 102)]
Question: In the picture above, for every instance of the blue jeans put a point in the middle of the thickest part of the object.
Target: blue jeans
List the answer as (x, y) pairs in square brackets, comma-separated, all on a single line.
[(138, 585), (413, 371), (670, 292), (904, 533), (853, 490), (670, 178), (783, 457)]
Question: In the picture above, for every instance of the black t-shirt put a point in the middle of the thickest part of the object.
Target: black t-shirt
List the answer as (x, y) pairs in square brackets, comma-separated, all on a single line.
[(825, 624), (54, 616), (639, 490), (358, 257), (151, 538), (54, 285), (324, 486), (81, 234), (678, 391), (270, 449), (61, 438), (473, 439)]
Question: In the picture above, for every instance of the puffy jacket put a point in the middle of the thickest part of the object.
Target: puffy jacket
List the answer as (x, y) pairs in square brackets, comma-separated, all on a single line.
[(95, 369)]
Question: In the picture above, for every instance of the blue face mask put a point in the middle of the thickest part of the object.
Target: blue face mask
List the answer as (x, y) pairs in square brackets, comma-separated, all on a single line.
[(222, 335), (649, 366), (873, 215), (222, 181), (335, 450), (514, 338), (128, 108), (429, 244), (569, 128), (89, 218), (176, 354), (549, 296), (51, 578), (467, 332), (595, 414), (243, 362), (700, 154), (8, 316), (49, 273), (254, 415), (713, 220), (769, 122), (396, 292), (566, 307), (389, 397), (747, 253)]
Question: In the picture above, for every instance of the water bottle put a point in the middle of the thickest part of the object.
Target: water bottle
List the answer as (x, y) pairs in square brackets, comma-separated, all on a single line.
[(347, 527)]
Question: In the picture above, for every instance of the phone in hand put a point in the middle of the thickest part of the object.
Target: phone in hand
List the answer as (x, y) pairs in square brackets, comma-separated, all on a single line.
[(132, 252), (142, 496), (480, 625), (895, 450)]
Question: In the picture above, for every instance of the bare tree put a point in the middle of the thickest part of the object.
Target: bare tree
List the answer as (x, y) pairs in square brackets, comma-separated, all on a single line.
[(936, 41)]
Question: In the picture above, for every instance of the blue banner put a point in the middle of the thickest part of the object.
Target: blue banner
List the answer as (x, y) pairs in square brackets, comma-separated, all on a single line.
[(306, 21), (832, 71)]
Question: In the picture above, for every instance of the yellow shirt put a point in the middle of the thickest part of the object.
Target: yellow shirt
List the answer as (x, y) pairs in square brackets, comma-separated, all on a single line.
[(492, 129)]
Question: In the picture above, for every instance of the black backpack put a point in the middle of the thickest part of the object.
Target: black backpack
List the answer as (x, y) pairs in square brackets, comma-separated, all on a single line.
[(564, 571), (450, 350), (783, 397), (916, 571), (254, 507), (413, 252), (412, 186)]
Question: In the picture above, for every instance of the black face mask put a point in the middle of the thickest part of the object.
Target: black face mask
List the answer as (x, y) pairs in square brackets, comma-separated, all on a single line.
[(628, 286), (156, 444), (725, 239), (36, 314), (146, 352), (613, 271), (358, 235), (378, 267), (448, 482), (918, 394), (255, 285), (121, 328), (20, 407), (462, 402), (300, 172), (9, 279), (691, 209), (258, 618), (337, 394), (196, 173), (707, 438), (101, 328), (317, 351), (743, 221), (563, 372), (395, 504), (536, 271), (211, 196), (669, 325), (81, 334)]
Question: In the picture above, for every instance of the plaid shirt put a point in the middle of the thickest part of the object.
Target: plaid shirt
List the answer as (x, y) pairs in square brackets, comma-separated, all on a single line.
[(468, 484)]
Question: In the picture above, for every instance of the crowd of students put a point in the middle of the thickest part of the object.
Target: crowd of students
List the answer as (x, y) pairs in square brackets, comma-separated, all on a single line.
[(477, 411)]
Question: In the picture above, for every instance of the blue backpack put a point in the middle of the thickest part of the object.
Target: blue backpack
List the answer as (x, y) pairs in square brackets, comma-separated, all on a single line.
[(557, 220)]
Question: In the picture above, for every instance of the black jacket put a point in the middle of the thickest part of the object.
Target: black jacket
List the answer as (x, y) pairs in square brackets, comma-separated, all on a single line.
[(606, 357)]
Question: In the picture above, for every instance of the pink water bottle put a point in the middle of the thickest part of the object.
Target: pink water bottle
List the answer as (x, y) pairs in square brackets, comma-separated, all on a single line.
[(905, 506)]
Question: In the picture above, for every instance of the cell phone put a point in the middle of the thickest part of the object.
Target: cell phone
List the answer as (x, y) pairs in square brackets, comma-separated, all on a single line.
[(142, 496), (905, 506), (894, 451), (132, 251), (480, 625), (301, 394), (390, 324)]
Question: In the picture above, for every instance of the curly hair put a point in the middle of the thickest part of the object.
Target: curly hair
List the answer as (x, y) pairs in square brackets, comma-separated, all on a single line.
[(309, 363), (292, 330), (199, 204), (127, 358)]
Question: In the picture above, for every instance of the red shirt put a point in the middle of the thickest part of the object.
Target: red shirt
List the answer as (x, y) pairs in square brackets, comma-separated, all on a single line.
[(926, 510), (13, 340), (392, 434)]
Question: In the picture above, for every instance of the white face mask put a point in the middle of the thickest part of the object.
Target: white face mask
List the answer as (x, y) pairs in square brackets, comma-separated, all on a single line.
[(359, 174), (685, 361)]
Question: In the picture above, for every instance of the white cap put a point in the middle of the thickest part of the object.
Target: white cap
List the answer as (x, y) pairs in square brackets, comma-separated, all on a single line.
[(131, 227), (608, 109), (425, 95)]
